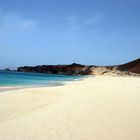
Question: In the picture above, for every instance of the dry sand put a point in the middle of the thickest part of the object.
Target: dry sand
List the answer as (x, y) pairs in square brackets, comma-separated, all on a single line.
[(100, 108)]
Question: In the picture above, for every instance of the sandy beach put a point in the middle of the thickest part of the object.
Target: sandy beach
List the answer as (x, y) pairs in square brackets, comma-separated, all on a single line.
[(99, 108)]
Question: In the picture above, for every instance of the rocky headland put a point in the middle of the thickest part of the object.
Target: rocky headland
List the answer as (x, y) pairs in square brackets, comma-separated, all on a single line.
[(128, 69)]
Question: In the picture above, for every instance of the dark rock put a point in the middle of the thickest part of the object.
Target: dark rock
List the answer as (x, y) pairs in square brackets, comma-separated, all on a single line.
[(73, 69), (131, 68)]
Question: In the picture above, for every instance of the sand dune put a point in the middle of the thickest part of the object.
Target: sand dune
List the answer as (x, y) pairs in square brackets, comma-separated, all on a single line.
[(100, 108)]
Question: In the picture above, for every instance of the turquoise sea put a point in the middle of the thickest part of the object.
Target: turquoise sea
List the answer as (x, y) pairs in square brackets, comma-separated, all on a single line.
[(9, 78)]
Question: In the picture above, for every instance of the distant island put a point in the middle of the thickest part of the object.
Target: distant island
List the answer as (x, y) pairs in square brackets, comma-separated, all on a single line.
[(131, 68)]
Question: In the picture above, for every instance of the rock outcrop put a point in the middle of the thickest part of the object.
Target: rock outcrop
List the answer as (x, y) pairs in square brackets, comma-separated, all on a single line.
[(128, 69), (73, 69), (133, 66)]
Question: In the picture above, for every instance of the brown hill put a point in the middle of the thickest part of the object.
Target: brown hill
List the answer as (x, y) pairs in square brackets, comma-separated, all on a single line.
[(133, 66), (128, 69)]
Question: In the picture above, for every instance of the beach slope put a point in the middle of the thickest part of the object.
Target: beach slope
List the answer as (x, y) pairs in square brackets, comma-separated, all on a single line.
[(100, 108)]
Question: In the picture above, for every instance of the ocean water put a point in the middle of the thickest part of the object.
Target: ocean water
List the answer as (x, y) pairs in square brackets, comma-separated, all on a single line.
[(8, 78)]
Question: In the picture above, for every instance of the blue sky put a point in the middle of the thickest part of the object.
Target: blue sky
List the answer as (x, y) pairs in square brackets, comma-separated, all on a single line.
[(99, 32)]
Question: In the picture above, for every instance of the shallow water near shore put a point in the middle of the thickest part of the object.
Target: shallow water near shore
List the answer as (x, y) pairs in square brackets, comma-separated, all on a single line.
[(21, 79)]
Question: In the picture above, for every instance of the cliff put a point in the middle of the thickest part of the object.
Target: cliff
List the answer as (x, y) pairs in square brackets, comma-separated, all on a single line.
[(131, 68)]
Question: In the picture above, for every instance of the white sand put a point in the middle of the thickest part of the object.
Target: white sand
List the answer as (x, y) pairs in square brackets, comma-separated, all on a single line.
[(101, 108)]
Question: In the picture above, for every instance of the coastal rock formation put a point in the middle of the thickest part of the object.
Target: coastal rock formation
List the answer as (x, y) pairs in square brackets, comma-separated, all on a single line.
[(128, 69), (73, 69), (133, 66)]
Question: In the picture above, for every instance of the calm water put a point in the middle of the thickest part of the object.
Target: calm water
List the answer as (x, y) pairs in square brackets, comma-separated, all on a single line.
[(32, 79)]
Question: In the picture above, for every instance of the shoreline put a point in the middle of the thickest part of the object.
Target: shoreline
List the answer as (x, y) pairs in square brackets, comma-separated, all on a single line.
[(60, 83), (14, 88), (101, 108), (4, 89)]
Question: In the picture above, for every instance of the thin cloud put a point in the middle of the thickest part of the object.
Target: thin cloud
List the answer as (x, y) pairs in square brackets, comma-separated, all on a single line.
[(73, 22), (29, 24), (72, 19), (94, 19), (15, 22), (82, 21)]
